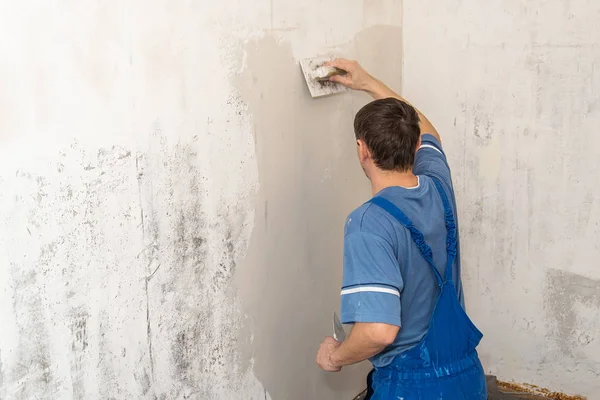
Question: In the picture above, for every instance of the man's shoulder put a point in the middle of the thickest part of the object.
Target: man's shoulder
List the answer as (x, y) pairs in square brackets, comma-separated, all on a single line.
[(355, 219), (431, 161), (430, 141), (367, 219)]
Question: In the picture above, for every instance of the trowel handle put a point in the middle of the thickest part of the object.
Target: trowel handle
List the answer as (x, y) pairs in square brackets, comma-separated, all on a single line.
[(329, 72)]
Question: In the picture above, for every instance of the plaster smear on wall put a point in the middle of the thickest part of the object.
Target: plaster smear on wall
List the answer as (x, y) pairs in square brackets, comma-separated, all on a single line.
[(310, 180)]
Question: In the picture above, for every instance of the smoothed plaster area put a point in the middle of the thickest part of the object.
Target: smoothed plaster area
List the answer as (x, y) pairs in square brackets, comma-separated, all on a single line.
[(310, 179)]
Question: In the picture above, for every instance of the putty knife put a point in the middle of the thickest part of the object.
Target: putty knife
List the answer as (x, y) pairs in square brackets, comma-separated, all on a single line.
[(338, 330), (317, 76)]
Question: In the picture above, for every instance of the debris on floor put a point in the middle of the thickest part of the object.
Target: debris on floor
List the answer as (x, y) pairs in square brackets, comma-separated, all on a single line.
[(498, 390)]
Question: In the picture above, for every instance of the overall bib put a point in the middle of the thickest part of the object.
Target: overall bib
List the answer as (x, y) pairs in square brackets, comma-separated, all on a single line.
[(444, 365)]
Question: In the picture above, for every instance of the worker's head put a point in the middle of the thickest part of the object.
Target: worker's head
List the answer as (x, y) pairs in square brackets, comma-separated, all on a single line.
[(387, 135)]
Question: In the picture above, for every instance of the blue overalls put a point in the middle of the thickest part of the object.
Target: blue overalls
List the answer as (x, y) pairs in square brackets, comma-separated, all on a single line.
[(444, 365)]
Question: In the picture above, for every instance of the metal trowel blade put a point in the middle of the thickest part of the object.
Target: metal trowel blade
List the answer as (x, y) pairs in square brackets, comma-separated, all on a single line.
[(338, 329)]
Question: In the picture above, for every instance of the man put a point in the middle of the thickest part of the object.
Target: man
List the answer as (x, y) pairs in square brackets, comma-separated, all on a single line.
[(401, 288)]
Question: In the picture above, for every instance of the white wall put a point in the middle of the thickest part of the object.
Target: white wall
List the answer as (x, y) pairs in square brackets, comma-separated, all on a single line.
[(514, 88), (172, 200)]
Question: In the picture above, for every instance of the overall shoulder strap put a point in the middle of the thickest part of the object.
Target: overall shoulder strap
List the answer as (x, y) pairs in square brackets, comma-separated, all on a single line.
[(450, 228), (415, 234)]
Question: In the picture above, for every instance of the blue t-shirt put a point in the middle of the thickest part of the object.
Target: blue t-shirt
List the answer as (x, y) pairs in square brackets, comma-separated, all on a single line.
[(386, 279)]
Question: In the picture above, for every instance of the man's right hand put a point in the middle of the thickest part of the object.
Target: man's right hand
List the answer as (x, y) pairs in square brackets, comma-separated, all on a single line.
[(358, 79), (355, 78)]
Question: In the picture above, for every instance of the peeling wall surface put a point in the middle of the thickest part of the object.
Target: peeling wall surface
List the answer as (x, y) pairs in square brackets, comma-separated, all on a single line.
[(514, 89), (173, 200)]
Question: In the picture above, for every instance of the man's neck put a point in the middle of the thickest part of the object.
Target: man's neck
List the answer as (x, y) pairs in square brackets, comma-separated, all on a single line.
[(381, 180)]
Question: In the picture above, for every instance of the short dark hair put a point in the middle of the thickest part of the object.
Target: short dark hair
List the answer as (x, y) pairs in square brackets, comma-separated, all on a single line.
[(390, 129)]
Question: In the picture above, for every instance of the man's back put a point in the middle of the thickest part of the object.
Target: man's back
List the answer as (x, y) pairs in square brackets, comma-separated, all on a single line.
[(401, 288), (386, 280)]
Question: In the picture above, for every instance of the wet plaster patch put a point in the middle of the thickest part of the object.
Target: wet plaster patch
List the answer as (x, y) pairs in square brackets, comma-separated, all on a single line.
[(309, 181)]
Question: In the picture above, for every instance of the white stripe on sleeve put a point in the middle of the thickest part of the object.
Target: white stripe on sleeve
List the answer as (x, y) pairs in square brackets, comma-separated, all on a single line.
[(375, 289), (428, 146)]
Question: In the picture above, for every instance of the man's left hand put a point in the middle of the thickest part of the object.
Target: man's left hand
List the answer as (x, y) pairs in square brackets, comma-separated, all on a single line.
[(327, 348)]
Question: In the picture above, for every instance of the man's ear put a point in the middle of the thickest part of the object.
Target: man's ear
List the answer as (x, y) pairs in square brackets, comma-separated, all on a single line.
[(363, 151)]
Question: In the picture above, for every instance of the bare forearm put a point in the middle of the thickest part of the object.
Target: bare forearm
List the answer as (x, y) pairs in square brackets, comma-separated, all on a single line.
[(378, 90), (355, 350), (364, 341)]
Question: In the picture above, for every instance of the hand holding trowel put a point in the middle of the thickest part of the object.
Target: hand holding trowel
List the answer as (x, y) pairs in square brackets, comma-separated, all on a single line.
[(317, 74)]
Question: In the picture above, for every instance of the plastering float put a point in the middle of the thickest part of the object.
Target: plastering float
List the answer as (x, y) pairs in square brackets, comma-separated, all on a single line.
[(317, 76)]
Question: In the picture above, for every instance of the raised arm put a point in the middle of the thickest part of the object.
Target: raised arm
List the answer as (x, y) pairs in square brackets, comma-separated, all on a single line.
[(358, 79)]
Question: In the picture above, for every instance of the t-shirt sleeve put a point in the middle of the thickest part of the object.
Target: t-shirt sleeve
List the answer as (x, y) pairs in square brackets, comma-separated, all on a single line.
[(431, 160), (372, 281)]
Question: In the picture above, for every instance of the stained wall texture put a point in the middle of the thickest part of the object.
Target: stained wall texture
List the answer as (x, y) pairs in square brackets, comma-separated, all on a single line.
[(514, 88), (172, 199)]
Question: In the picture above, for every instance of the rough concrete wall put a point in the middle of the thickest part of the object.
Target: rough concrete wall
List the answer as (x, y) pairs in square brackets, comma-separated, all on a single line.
[(172, 201), (514, 88)]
